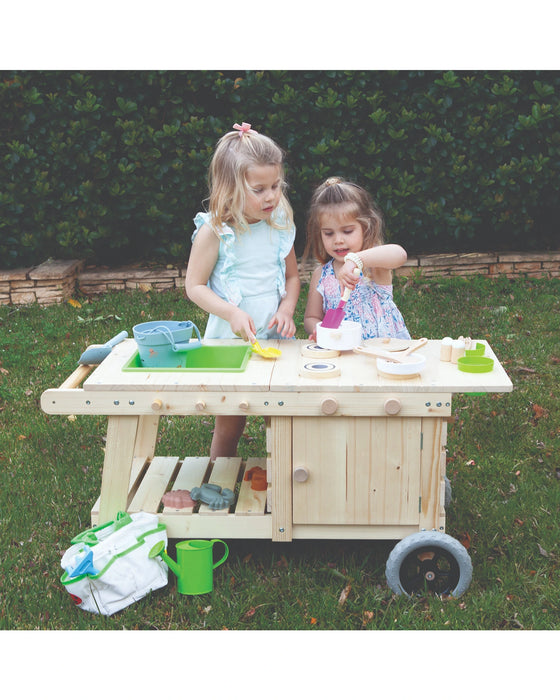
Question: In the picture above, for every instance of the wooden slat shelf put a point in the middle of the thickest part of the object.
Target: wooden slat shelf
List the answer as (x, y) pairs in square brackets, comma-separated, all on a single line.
[(151, 479)]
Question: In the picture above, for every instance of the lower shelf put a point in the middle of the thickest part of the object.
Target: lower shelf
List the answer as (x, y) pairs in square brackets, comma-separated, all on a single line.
[(247, 518), (151, 479)]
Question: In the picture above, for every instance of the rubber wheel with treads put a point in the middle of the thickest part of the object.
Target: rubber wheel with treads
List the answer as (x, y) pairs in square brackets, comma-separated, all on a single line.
[(429, 562)]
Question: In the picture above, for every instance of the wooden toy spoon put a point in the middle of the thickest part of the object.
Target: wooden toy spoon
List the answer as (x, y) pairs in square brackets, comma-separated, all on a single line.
[(418, 344), (393, 357), (401, 356)]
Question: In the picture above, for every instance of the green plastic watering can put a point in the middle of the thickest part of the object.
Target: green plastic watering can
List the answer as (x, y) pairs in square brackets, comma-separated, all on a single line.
[(195, 564)]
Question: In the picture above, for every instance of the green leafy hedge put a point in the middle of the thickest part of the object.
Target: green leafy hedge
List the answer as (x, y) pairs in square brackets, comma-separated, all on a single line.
[(111, 166)]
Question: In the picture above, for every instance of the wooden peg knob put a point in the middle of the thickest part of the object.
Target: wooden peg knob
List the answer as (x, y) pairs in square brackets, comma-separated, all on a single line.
[(392, 407), (157, 405), (301, 474), (244, 405), (200, 405), (329, 406)]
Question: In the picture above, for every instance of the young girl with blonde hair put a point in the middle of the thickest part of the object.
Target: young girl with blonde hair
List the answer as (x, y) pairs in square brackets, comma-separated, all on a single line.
[(345, 234), (242, 267)]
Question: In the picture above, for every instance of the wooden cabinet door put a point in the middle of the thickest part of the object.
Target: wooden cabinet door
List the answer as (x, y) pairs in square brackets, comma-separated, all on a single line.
[(360, 470)]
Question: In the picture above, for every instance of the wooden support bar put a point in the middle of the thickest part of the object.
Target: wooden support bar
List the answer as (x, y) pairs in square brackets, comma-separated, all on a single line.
[(146, 436), (137, 471), (222, 525), (119, 454), (430, 508), (281, 454), (77, 377)]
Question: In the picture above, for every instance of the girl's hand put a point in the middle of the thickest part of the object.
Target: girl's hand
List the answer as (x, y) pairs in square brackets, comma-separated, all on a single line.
[(242, 324), (284, 323), (349, 274)]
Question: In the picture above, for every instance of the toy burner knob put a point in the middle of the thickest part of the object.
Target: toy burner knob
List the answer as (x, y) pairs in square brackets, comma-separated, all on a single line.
[(392, 407)]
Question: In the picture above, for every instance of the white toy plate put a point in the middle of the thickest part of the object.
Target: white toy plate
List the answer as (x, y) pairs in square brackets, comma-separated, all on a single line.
[(411, 368)]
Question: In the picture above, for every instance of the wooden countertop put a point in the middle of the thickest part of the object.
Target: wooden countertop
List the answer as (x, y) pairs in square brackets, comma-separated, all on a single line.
[(358, 374)]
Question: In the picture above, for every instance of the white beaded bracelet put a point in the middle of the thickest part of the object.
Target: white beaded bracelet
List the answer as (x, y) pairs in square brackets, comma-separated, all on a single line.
[(355, 258)]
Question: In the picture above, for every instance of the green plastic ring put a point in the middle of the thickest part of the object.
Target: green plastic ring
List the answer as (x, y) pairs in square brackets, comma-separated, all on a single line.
[(475, 364)]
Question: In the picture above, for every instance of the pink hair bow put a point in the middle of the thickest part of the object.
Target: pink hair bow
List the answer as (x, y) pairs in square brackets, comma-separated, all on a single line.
[(244, 129)]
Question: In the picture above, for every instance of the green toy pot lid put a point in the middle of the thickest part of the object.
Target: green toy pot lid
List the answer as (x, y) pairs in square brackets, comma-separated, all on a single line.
[(475, 364)]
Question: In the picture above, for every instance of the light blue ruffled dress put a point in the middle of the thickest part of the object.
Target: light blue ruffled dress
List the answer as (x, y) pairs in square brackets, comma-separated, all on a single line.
[(369, 304), (250, 272)]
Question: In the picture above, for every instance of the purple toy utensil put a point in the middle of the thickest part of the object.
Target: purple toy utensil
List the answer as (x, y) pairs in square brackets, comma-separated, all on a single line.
[(334, 317)]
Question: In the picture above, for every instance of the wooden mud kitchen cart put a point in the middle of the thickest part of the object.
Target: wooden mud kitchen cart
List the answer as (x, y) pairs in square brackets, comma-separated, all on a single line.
[(352, 453)]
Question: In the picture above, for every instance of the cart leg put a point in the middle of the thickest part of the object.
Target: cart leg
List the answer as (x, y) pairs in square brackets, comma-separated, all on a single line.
[(146, 436), (433, 457), (119, 453), (281, 458)]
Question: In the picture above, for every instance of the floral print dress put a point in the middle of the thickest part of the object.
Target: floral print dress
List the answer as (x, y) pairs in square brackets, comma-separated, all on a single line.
[(370, 304)]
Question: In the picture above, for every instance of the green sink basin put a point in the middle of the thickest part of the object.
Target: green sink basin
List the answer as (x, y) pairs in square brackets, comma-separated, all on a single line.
[(208, 358)]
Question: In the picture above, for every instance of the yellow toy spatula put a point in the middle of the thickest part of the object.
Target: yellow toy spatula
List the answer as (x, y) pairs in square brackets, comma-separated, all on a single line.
[(268, 353)]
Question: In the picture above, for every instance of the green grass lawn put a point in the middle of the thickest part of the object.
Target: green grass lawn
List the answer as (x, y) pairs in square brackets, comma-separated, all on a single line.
[(503, 465)]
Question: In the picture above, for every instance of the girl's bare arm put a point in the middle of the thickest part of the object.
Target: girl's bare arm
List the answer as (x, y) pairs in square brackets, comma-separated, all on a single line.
[(283, 319), (379, 259), (202, 260)]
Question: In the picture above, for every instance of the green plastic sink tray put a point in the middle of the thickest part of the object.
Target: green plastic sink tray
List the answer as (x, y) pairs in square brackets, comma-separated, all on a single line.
[(208, 358)]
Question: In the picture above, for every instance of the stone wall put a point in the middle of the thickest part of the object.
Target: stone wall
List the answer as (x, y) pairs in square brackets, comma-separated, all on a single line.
[(55, 281), (49, 283)]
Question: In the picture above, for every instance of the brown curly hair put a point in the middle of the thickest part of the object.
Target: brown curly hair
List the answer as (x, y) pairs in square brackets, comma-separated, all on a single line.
[(347, 197)]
